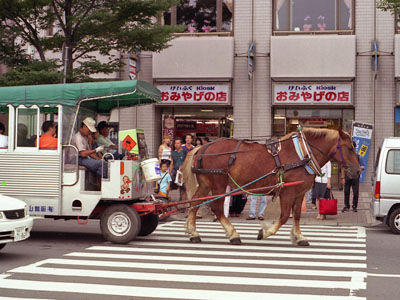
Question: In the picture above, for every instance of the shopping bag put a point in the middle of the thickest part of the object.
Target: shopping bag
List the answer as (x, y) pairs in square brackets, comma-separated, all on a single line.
[(328, 206), (179, 178)]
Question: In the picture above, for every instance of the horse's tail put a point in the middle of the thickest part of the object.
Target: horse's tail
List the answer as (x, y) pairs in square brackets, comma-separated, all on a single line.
[(189, 178)]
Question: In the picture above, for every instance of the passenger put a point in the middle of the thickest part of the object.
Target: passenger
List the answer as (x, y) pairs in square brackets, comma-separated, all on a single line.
[(47, 139), (102, 140), (3, 138), (87, 157), (22, 140)]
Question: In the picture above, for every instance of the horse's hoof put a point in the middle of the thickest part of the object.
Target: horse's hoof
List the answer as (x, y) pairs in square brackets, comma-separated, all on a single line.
[(303, 243), (236, 241), (195, 239), (260, 235)]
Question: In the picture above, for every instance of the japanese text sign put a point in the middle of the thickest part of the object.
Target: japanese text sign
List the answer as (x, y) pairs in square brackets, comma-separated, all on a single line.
[(296, 93), (362, 135), (196, 94)]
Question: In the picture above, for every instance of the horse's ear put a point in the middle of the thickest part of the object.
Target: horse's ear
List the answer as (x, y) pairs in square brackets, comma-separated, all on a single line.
[(343, 134)]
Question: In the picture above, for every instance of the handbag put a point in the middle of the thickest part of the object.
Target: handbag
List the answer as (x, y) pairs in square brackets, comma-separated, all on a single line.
[(328, 205), (157, 189)]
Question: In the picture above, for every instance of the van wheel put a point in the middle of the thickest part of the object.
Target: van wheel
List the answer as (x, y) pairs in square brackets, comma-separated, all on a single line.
[(2, 246), (394, 221), (120, 224), (149, 224)]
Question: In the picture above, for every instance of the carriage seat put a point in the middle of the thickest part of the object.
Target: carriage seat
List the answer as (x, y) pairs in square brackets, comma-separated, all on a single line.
[(70, 168)]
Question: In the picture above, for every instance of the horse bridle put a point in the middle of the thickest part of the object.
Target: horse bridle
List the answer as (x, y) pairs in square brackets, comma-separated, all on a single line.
[(331, 157)]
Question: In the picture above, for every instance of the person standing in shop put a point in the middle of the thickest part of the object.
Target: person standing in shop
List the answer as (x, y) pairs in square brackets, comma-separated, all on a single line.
[(188, 146), (178, 157)]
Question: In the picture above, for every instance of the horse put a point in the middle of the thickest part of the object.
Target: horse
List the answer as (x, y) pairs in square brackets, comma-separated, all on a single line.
[(252, 161)]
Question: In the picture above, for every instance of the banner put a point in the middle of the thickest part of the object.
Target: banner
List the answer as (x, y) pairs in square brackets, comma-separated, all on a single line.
[(196, 94), (312, 93), (362, 134), (169, 128)]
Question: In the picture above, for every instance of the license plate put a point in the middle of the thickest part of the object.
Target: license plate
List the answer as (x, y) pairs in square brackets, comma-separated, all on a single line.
[(20, 234)]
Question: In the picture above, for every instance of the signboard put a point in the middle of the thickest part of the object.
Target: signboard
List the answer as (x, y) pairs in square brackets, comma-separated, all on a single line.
[(210, 94), (168, 128), (312, 93), (362, 135)]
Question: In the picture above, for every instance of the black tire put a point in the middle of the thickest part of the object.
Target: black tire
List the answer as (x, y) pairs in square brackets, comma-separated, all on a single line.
[(394, 221), (120, 224), (149, 224), (2, 246)]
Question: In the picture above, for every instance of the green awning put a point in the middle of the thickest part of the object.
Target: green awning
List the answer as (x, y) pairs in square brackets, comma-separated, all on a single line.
[(109, 94)]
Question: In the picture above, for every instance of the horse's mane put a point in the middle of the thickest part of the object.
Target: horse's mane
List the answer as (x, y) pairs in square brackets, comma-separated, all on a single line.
[(321, 133)]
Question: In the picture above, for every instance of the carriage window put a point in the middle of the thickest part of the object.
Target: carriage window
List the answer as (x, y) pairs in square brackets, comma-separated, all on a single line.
[(4, 128), (48, 122), (393, 162), (27, 127)]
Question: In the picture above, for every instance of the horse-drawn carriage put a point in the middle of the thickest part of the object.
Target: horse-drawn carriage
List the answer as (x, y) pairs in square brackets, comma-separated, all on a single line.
[(54, 185)]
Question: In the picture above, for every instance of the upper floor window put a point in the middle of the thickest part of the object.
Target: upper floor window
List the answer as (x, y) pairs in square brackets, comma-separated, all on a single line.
[(313, 15), (202, 15)]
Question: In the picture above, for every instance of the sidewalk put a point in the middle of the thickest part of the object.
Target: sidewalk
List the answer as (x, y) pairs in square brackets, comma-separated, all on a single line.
[(361, 218)]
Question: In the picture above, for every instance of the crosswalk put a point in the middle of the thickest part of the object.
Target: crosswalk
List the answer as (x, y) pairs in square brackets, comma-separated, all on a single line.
[(164, 265)]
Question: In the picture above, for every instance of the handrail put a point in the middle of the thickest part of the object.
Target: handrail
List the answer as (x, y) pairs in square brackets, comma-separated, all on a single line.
[(313, 32), (76, 165)]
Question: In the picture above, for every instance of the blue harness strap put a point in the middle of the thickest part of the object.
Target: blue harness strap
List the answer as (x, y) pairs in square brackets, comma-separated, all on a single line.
[(300, 153)]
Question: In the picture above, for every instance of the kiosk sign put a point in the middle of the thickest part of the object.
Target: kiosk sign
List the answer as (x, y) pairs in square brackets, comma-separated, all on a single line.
[(304, 93), (195, 94)]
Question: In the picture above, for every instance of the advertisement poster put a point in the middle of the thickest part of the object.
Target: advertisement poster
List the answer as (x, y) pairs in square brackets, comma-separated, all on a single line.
[(362, 134)]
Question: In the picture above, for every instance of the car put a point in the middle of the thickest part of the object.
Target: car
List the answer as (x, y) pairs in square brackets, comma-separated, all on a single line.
[(385, 202), (15, 222)]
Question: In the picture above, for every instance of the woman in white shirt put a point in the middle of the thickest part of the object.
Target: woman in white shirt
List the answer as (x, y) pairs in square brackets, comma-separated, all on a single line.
[(322, 183), (164, 151)]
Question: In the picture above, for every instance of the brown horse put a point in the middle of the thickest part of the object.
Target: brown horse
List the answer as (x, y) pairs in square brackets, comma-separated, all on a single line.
[(253, 161)]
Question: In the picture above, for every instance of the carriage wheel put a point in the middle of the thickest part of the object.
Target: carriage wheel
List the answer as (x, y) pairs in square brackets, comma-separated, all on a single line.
[(394, 221), (2, 246), (149, 224), (120, 224)]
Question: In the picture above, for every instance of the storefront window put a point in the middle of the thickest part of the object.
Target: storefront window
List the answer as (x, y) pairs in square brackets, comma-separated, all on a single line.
[(201, 15), (313, 15), (397, 121)]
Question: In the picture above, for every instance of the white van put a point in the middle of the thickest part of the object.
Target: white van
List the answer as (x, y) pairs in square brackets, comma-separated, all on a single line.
[(385, 202)]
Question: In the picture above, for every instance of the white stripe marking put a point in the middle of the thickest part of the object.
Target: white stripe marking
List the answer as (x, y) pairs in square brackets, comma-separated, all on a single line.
[(384, 275), (165, 266), (278, 237), (244, 247), (331, 235), (266, 242), (228, 253), (327, 230), (186, 259), (137, 291), (191, 278)]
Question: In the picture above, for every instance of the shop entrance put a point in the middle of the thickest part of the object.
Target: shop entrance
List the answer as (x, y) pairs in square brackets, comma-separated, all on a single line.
[(199, 122), (286, 120)]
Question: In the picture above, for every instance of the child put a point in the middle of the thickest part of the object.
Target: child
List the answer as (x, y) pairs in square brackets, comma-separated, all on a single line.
[(165, 182)]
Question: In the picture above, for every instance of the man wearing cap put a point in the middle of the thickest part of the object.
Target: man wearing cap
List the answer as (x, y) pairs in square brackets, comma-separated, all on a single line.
[(88, 158)]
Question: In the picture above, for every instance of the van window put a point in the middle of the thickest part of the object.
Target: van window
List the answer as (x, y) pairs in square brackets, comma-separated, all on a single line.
[(393, 162)]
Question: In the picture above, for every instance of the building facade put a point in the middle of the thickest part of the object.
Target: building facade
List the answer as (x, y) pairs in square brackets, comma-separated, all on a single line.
[(315, 65)]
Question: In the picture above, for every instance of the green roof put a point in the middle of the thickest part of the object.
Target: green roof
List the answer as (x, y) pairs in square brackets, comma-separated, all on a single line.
[(109, 94)]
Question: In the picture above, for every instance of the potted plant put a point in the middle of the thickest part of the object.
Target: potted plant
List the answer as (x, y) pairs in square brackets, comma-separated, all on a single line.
[(321, 23), (307, 25)]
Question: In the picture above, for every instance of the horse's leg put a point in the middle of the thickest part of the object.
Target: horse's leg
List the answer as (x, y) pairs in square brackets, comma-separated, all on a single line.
[(218, 209), (296, 236), (270, 229), (190, 226)]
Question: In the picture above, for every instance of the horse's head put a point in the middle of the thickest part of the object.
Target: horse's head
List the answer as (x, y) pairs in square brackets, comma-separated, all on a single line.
[(345, 153)]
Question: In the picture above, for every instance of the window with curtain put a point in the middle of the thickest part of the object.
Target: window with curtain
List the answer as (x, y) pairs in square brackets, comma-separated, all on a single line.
[(201, 15), (313, 15)]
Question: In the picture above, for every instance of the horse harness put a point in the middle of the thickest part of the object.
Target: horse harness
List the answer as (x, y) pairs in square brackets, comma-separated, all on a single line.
[(200, 170), (273, 146)]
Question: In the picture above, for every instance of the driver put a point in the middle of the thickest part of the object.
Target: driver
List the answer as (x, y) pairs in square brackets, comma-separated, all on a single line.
[(87, 157)]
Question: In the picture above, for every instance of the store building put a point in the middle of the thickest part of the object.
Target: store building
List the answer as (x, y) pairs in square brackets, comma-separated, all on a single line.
[(314, 61)]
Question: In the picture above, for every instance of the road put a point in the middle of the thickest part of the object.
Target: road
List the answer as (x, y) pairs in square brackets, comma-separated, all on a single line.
[(64, 261)]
